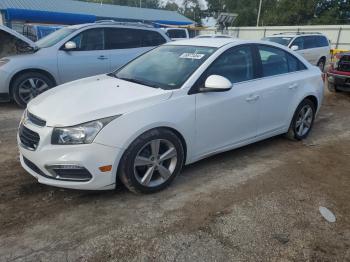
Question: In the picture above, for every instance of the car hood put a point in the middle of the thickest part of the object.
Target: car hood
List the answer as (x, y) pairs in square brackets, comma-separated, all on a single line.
[(93, 98), (18, 35)]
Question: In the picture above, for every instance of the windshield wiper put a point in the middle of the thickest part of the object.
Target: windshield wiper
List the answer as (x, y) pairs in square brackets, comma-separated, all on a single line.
[(140, 82)]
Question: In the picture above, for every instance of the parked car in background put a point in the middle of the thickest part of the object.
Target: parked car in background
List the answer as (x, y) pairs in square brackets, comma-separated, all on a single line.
[(314, 47), (37, 31), (177, 104), (214, 36), (13, 43), (177, 33), (74, 52), (338, 75)]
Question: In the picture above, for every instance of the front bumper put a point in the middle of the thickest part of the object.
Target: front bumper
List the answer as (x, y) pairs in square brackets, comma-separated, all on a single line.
[(90, 156), (338, 81)]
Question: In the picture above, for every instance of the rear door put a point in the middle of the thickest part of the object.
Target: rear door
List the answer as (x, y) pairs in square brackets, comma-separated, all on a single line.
[(311, 48), (125, 44), (88, 59), (281, 77)]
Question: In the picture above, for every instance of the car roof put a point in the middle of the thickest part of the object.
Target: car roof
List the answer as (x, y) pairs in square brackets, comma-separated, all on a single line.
[(209, 42), (292, 35), (114, 24)]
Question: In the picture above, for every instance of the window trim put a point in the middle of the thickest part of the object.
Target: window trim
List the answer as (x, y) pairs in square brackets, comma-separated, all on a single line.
[(256, 66)]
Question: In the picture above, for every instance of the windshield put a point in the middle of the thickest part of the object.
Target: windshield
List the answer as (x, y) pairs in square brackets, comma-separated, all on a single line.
[(54, 38), (166, 67), (280, 40)]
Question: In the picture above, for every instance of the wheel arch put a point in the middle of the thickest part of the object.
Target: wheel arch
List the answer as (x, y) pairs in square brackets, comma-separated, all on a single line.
[(324, 58), (313, 99), (36, 70), (172, 129)]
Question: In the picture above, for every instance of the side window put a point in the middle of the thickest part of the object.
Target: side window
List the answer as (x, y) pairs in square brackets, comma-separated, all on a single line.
[(235, 64), (322, 41), (123, 38), (274, 61), (152, 38), (310, 42), (299, 41), (89, 40), (294, 64)]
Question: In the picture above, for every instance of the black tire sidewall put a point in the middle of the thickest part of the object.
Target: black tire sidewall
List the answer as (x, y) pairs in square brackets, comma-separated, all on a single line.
[(295, 117), (21, 78), (323, 64), (126, 168)]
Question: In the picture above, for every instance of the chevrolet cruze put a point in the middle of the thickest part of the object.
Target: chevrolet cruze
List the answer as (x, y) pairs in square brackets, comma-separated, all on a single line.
[(177, 104)]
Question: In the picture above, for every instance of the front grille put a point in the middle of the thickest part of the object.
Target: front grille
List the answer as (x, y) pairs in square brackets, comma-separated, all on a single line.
[(29, 138), (344, 63), (36, 120), (33, 167), (73, 174)]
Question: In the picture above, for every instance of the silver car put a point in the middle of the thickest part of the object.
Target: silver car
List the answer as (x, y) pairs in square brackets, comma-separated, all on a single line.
[(72, 53)]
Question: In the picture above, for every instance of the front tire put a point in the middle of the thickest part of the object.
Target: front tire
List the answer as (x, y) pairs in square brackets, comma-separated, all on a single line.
[(29, 85), (152, 161), (302, 121)]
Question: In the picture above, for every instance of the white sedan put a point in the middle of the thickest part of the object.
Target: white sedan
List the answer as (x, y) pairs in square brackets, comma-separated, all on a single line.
[(177, 104)]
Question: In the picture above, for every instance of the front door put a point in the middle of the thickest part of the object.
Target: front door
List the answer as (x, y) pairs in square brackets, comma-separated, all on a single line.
[(88, 59), (224, 119)]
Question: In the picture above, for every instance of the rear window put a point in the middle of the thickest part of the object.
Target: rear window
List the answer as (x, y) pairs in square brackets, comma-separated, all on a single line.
[(321, 41), (279, 40), (122, 38)]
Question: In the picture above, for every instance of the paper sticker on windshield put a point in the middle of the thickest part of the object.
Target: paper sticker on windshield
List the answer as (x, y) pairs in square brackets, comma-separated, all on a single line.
[(192, 56)]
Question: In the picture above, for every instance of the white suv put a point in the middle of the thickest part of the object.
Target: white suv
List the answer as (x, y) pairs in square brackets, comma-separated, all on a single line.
[(314, 47), (72, 53)]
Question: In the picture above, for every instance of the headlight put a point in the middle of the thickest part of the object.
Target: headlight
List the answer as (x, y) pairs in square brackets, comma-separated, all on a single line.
[(80, 134), (4, 62)]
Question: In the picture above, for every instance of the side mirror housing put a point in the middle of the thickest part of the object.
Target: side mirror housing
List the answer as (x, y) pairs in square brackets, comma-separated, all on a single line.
[(294, 47), (69, 46), (216, 83)]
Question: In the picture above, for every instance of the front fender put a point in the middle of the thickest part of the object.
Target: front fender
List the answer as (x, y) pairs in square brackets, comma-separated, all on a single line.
[(177, 113)]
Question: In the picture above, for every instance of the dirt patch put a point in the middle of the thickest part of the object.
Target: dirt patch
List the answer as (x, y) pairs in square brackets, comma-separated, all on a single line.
[(257, 203)]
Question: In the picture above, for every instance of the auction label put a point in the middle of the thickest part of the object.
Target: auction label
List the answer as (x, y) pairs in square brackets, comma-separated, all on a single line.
[(192, 56)]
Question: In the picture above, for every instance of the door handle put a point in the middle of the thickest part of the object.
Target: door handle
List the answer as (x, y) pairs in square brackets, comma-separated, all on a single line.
[(252, 98), (293, 86), (102, 57)]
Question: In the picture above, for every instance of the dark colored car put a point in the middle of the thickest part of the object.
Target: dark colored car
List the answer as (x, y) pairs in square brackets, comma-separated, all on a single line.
[(338, 75)]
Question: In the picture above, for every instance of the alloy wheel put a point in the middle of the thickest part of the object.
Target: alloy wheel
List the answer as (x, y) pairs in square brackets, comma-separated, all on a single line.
[(155, 163), (304, 120), (31, 88)]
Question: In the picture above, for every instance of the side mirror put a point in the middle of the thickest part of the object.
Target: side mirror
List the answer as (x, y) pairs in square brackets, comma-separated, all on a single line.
[(295, 48), (70, 46), (216, 83)]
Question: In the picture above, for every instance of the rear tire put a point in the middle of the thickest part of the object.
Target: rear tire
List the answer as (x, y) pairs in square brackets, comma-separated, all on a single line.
[(28, 85), (152, 161), (302, 121)]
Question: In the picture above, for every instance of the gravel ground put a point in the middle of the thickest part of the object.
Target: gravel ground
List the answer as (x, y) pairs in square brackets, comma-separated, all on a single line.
[(257, 203)]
